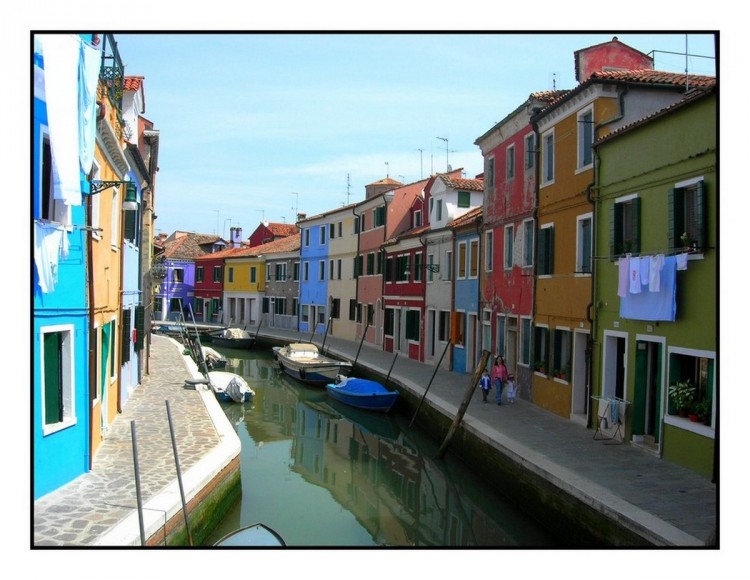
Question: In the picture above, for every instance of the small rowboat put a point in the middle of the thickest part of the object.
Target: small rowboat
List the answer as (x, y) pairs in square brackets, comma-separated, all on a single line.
[(363, 394), (257, 535), (302, 361)]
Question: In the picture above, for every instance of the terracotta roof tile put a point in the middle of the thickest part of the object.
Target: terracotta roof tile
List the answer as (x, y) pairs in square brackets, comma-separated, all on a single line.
[(461, 183), (468, 218), (281, 229), (189, 246), (654, 77), (132, 83)]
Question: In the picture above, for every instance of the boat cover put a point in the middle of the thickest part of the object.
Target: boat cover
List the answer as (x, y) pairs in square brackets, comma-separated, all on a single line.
[(361, 386)]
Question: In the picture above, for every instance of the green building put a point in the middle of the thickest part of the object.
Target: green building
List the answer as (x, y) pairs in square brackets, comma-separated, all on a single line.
[(655, 304)]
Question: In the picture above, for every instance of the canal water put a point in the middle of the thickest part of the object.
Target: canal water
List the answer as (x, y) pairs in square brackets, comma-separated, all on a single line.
[(322, 474)]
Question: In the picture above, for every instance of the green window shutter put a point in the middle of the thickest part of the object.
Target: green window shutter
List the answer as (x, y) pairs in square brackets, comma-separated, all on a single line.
[(140, 327), (675, 211), (551, 252), (541, 250), (125, 334), (635, 215), (701, 223), (130, 225), (614, 246), (53, 411)]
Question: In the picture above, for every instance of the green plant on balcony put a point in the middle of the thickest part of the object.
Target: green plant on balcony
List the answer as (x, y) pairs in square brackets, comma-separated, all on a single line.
[(703, 410)]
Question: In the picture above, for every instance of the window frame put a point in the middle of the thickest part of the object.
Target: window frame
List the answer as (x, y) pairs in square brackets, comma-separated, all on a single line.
[(585, 138), (510, 162), (548, 158), (546, 250), (581, 244), (508, 243), (65, 376)]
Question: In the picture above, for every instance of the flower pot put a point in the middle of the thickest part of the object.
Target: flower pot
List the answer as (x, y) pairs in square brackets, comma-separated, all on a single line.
[(682, 413), (693, 418)]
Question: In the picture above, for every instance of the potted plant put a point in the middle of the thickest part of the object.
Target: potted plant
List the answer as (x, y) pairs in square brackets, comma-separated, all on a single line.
[(682, 396), (539, 366), (703, 410)]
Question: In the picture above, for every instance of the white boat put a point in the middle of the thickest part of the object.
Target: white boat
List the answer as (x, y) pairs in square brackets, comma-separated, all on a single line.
[(303, 361), (229, 386), (213, 358)]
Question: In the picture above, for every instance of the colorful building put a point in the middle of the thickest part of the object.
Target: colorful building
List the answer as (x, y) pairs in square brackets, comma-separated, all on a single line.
[(656, 215), (60, 340), (507, 289), (606, 99), (314, 307), (281, 300)]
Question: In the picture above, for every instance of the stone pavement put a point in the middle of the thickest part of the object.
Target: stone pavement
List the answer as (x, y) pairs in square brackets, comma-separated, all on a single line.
[(669, 504), (89, 508)]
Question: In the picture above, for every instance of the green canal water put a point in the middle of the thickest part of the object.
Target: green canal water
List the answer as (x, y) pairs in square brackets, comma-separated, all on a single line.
[(322, 474)]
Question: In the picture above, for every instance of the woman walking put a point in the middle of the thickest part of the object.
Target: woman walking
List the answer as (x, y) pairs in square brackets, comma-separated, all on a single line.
[(499, 375)]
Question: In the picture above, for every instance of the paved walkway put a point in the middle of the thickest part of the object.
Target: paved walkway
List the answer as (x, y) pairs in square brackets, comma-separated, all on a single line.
[(670, 504)]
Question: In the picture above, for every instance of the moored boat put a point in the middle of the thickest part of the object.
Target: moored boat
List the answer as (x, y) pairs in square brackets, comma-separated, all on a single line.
[(303, 361), (229, 387), (213, 358), (363, 394), (233, 338), (257, 535)]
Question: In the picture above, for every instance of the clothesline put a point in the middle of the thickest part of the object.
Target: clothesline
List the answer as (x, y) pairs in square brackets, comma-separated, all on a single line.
[(668, 252), (66, 227)]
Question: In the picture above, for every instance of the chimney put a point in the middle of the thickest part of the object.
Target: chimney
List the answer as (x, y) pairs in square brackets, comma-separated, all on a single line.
[(236, 237), (301, 216)]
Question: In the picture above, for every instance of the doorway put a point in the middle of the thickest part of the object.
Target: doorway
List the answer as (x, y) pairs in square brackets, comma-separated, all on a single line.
[(647, 394)]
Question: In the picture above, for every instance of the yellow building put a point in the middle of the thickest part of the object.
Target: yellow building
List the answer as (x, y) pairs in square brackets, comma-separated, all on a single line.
[(244, 287)]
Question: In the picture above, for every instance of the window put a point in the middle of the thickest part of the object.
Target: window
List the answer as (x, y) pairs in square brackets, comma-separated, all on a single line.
[(306, 272), (687, 222), (268, 272), (444, 326), (430, 267), (322, 270), (489, 172), (336, 308), (264, 309), (199, 274), (510, 162), (281, 271), (457, 328), (341, 225), (58, 409), (338, 268), (461, 260), (449, 265), (439, 209), (548, 157), (389, 273), (295, 306), (358, 266), (464, 199), (541, 349), (698, 369), (322, 235), (561, 354), (625, 226), (388, 322), (418, 266), (584, 244), (529, 151), (546, 250), (508, 254), (352, 309), (417, 218), (253, 275), (528, 243), (362, 223), (500, 330), (50, 208), (332, 232), (474, 258), (321, 310), (331, 271), (305, 313), (378, 216), (412, 325), (370, 263), (432, 205), (217, 273), (295, 272), (307, 236), (525, 341), (402, 268), (488, 250), (585, 137), (379, 263), (356, 224), (280, 305)]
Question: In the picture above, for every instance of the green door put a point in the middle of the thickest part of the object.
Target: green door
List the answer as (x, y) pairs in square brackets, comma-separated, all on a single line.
[(647, 390)]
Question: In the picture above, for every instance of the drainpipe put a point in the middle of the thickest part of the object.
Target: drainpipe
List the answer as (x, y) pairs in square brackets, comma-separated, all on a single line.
[(480, 222), (91, 333), (356, 257), (535, 261)]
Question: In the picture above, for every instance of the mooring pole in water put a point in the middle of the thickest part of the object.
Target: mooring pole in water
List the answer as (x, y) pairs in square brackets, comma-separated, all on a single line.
[(390, 369), (139, 501), (430, 383), (179, 474), (257, 330), (325, 336), (364, 334), (465, 403)]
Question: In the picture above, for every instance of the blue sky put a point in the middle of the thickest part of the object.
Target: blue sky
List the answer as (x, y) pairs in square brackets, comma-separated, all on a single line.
[(254, 126)]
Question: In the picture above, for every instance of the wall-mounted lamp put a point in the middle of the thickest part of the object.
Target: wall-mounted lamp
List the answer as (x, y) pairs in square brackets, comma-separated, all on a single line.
[(131, 193), (158, 269)]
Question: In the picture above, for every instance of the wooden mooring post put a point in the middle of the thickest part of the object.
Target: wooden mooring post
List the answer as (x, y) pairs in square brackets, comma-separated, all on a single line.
[(465, 403)]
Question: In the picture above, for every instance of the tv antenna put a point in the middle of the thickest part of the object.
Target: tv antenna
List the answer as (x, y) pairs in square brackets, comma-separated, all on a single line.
[(421, 172), (295, 207), (447, 165)]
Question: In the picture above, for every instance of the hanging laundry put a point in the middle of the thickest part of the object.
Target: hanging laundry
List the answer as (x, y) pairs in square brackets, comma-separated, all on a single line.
[(645, 269), (50, 244), (682, 260), (661, 305), (88, 72), (654, 274), (622, 282), (635, 276)]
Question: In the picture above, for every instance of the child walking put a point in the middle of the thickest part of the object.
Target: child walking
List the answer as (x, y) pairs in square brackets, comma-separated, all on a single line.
[(484, 384), (511, 389)]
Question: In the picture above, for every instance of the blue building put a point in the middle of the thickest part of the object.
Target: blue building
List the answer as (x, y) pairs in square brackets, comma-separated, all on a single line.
[(66, 71), (313, 279), (467, 257)]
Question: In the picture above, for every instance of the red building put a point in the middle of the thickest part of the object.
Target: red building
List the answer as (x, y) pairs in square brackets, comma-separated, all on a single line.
[(269, 232)]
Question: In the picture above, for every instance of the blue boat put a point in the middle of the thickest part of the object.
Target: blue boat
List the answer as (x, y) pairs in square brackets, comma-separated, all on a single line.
[(363, 394)]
